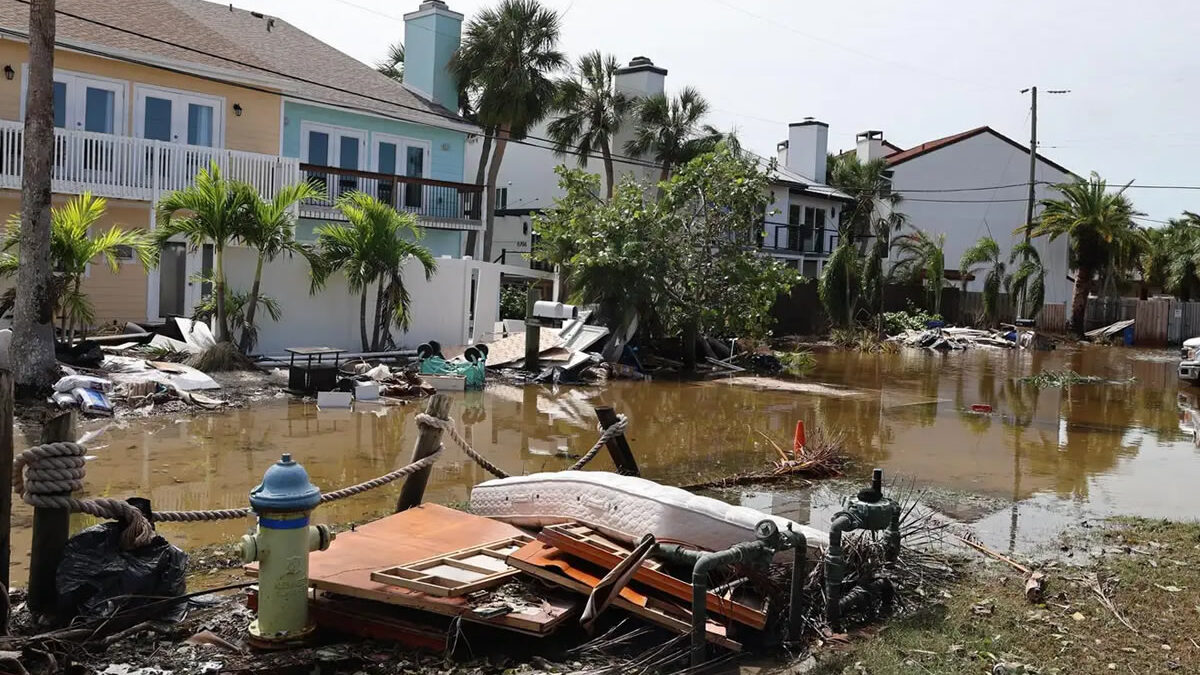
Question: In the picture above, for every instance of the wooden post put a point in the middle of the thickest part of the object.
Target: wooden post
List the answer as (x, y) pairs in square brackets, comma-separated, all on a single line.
[(618, 447), (6, 462), (51, 529), (428, 441), (533, 332)]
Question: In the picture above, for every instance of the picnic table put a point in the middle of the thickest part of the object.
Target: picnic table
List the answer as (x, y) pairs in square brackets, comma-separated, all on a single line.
[(314, 373)]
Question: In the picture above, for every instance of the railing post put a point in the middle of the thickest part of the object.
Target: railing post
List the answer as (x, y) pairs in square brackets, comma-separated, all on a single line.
[(6, 462), (618, 447), (51, 528), (429, 439), (533, 337)]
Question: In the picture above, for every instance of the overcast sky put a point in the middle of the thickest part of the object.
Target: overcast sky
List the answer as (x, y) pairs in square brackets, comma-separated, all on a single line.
[(917, 69)]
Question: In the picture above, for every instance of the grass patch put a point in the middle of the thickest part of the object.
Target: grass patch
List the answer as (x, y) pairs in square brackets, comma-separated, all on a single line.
[(1136, 609), (1048, 379), (861, 340), (797, 364)]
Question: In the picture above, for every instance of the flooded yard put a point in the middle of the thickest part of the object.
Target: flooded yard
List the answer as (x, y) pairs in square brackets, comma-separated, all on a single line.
[(1044, 458)]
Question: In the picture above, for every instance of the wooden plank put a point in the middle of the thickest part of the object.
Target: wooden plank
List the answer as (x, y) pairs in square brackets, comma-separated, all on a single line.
[(570, 543), (370, 620), (448, 576), (418, 533), (545, 562)]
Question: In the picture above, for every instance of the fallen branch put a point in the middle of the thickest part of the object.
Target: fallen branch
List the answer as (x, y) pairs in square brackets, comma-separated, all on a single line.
[(998, 556), (1098, 589)]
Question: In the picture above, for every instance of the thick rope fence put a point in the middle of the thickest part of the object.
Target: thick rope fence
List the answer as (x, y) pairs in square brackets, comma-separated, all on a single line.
[(44, 476)]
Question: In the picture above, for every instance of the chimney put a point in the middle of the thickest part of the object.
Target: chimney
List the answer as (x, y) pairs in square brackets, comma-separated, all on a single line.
[(869, 145), (431, 36), (807, 145), (640, 79), (781, 149)]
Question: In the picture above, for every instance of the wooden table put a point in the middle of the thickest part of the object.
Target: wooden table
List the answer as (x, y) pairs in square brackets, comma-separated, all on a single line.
[(308, 377)]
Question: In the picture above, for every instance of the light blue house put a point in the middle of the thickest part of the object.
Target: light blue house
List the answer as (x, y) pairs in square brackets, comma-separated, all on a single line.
[(403, 143)]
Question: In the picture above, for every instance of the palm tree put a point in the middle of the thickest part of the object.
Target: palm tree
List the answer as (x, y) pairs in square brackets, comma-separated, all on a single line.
[(371, 249), (591, 112), (505, 61), (1027, 283), (211, 209), (670, 132), (270, 232), (1097, 224), (72, 249), (393, 65), (986, 253), (1182, 246), (840, 284), (920, 257)]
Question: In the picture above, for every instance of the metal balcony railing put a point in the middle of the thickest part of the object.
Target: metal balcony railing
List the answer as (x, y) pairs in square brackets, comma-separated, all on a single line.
[(437, 203)]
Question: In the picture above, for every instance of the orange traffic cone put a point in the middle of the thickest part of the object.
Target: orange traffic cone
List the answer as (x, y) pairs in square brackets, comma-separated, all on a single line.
[(798, 440)]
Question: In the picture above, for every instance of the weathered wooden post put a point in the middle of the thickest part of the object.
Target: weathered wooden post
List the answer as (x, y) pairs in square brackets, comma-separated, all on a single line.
[(428, 441), (51, 528), (618, 447), (6, 462), (533, 332)]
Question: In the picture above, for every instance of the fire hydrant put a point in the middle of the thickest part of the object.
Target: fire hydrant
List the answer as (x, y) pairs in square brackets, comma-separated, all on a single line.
[(283, 502)]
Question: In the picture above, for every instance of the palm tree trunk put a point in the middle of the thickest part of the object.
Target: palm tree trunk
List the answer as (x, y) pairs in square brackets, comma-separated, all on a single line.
[(663, 176), (219, 289), (252, 306), (608, 168), (485, 152), (33, 361), (1079, 298), (362, 319), (377, 332), (489, 229)]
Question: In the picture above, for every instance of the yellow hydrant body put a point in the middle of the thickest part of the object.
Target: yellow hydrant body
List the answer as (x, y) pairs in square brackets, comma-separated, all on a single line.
[(284, 502)]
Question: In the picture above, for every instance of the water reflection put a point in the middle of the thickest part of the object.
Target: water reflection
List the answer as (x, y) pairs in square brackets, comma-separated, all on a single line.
[(1056, 454)]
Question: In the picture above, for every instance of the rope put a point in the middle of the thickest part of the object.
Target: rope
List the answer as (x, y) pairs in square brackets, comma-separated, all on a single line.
[(45, 476), (419, 465), (617, 429), (448, 427)]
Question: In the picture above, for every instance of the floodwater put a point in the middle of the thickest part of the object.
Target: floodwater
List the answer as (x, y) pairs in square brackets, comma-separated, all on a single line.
[(1042, 460)]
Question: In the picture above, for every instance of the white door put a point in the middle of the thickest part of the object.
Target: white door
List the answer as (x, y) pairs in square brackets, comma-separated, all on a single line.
[(182, 273), (399, 156), (324, 145), (178, 117), (86, 103)]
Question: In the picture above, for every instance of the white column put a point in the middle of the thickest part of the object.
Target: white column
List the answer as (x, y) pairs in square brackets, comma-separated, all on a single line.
[(153, 281)]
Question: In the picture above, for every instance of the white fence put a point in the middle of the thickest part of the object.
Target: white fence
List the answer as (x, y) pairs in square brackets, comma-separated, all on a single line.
[(124, 167)]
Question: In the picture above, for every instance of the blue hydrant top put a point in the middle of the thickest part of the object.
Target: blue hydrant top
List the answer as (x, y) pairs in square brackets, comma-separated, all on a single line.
[(285, 487)]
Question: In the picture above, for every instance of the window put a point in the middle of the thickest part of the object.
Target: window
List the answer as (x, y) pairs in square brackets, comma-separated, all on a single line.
[(325, 145), (85, 102), (794, 214), (502, 198), (178, 116)]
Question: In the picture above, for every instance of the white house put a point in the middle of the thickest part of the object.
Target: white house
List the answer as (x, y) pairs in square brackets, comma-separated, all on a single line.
[(970, 185)]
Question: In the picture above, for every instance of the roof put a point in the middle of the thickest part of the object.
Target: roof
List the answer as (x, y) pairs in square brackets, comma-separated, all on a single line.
[(786, 176), (238, 45), (937, 144)]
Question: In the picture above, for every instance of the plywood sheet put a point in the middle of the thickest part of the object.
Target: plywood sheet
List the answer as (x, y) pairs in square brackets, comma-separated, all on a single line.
[(417, 534), (549, 564), (512, 348)]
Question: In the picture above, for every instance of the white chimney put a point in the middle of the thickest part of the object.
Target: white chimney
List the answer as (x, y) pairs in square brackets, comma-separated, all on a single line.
[(781, 149), (807, 146), (869, 145), (640, 79)]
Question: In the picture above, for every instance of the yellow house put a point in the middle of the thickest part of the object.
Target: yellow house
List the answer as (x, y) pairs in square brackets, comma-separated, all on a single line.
[(135, 117)]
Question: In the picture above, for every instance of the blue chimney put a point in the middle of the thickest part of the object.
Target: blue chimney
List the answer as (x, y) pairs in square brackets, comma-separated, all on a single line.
[(431, 36)]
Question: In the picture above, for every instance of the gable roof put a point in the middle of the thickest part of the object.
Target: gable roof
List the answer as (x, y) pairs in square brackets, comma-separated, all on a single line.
[(782, 175), (937, 144), (237, 45)]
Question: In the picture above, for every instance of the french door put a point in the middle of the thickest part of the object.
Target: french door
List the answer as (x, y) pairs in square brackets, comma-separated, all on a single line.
[(178, 117), (397, 156), (86, 103), (324, 145)]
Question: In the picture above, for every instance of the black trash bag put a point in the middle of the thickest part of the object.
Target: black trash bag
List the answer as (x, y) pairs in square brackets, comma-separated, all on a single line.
[(96, 578)]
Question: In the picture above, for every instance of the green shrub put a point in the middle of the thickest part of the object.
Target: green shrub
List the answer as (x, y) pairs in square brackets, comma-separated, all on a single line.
[(797, 364), (512, 301), (912, 318)]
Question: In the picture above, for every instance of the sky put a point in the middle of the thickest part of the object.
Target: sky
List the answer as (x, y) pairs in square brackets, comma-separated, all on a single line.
[(917, 70)]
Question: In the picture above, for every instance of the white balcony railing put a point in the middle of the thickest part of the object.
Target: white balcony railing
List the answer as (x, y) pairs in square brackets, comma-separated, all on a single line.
[(123, 167)]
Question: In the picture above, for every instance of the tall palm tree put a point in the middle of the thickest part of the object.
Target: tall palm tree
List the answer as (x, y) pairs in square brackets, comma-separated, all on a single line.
[(591, 112), (669, 130), (1181, 244), (508, 53), (1097, 223), (986, 254), (393, 65), (1027, 283), (921, 257), (212, 209), (72, 249), (270, 232), (371, 249)]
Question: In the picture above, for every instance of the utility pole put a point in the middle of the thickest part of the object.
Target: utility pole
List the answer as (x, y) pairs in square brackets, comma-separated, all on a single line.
[(1032, 162)]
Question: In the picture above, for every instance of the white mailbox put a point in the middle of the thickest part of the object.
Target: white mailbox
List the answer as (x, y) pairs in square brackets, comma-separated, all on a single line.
[(544, 310)]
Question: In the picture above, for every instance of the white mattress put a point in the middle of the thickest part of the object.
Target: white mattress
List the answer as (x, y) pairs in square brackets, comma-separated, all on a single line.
[(624, 507)]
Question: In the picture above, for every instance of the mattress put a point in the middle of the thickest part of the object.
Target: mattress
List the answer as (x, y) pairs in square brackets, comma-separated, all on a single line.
[(625, 508)]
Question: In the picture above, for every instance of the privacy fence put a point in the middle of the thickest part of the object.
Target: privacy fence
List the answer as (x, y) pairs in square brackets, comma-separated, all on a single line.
[(1157, 321)]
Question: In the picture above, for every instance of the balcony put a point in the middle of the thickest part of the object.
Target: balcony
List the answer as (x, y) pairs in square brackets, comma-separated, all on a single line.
[(436, 203), (800, 240), (124, 167)]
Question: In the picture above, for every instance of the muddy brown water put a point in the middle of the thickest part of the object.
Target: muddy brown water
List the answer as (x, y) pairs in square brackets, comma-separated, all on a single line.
[(1043, 459)]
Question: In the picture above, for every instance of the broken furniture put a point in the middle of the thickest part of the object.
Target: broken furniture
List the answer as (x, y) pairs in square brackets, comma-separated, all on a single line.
[(312, 376), (458, 573)]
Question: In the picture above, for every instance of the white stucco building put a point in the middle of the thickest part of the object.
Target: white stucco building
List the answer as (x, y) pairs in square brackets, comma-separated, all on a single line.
[(970, 185)]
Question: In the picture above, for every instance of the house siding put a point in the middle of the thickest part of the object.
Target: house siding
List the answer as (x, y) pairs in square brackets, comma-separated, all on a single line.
[(256, 130)]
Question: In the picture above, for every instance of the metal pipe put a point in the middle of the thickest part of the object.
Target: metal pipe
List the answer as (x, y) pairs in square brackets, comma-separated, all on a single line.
[(835, 569), (892, 538), (800, 546), (746, 551), (861, 596)]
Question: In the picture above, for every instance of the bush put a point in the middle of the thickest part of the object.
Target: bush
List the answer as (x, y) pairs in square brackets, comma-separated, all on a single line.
[(797, 364), (512, 301), (912, 318)]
